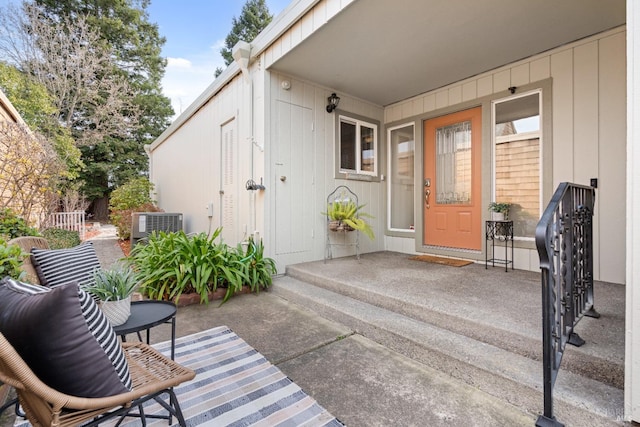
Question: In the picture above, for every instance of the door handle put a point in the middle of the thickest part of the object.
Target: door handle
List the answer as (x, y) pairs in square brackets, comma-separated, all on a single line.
[(427, 193)]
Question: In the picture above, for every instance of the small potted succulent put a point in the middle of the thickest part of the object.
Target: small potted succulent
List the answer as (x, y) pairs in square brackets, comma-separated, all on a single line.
[(499, 211), (114, 288)]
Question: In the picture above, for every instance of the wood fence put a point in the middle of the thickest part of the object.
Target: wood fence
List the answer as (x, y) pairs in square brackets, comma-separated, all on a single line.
[(73, 221)]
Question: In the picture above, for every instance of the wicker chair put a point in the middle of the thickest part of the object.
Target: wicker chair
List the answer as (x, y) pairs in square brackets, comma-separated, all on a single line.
[(153, 375), (26, 243)]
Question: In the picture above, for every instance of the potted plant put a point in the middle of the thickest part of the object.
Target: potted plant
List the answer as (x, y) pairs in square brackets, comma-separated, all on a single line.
[(345, 215), (114, 288), (499, 211)]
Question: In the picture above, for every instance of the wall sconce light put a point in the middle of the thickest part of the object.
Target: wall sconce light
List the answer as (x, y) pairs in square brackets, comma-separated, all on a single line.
[(333, 101)]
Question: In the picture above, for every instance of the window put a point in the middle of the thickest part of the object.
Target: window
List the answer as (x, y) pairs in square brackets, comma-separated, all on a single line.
[(358, 147), (517, 160), (401, 175)]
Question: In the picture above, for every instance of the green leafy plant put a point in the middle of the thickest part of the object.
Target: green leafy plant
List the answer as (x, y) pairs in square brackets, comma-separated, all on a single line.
[(171, 264), (345, 211), (12, 226), (11, 258), (61, 239), (500, 208), (258, 268), (115, 284)]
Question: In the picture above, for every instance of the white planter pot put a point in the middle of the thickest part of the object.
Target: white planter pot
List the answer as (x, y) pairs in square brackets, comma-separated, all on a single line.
[(497, 216), (117, 311)]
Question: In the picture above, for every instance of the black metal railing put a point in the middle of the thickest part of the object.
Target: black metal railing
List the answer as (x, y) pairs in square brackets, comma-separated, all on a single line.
[(564, 238)]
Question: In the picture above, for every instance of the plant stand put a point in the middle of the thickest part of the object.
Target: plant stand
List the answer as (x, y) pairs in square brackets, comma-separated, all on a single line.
[(501, 231), (341, 193)]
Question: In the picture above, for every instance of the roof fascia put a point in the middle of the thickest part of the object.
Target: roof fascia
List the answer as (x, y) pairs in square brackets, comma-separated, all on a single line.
[(281, 23)]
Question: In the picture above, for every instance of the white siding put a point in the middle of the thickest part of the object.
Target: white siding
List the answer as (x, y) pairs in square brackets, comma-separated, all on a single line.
[(588, 133), (315, 166), (632, 338), (187, 169)]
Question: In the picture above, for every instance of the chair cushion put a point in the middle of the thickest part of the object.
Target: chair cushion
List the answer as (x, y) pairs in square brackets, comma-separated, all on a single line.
[(60, 266), (64, 338)]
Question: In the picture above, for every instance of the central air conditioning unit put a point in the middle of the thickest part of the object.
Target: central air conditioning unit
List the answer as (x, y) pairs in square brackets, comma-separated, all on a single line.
[(144, 223)]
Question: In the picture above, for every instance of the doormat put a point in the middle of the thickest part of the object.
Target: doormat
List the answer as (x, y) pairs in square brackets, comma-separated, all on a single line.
[(441, 260)]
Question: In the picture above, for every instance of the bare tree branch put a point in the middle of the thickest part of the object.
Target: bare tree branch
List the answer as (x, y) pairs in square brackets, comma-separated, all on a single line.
[(71, 61), (29, 172)]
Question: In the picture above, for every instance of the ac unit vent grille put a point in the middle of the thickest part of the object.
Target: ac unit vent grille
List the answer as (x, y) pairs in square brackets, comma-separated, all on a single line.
[(163, 223), (144, 223)]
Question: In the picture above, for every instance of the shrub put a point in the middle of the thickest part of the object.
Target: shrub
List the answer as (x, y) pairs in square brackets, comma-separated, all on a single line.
[(61, 239), (122, 219), (171, 264), (11, 257), (133, 196), (12, 226)]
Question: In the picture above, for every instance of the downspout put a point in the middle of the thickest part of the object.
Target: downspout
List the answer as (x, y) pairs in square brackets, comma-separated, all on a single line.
[(241, 53)]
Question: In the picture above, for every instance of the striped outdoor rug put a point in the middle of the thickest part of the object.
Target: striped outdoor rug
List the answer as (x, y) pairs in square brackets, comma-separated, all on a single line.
[(235, 386)]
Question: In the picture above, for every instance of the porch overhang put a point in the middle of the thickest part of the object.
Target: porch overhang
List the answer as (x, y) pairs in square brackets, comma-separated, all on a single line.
[(385, 52)]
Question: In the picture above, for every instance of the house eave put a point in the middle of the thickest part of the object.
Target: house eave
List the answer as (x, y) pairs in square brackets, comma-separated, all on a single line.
[(280, 24)]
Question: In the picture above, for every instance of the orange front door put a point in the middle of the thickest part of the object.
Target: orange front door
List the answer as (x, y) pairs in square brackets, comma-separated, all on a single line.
[(452, 190)]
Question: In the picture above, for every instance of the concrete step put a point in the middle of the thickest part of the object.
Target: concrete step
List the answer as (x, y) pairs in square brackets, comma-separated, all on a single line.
[(499, 372), (486, 328)]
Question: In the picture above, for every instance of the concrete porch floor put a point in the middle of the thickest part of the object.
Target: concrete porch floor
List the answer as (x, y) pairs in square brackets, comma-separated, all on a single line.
[(388, 341)]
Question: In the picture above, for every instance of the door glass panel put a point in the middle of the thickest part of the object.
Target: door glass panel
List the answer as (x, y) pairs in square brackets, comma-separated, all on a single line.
[(401, 151), (453, 164)]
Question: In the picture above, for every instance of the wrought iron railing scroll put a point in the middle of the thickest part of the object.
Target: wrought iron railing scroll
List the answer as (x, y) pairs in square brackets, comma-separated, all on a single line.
[(564, 238)]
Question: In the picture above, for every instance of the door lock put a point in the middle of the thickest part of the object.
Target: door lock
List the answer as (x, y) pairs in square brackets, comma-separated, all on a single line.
[(427, 192)]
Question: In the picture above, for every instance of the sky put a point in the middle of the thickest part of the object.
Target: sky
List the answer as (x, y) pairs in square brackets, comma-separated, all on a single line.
[(195, 31)]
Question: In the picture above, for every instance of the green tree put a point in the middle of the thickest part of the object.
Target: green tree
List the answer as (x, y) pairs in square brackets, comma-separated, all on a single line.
[(36, 107), (254, 18), (135, 45)]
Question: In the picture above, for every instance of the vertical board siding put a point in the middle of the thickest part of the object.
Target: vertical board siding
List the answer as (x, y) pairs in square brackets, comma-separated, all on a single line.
[(585, 107), (611, 193), (562, 72), (188, 166), (303, 236), (632, 313)]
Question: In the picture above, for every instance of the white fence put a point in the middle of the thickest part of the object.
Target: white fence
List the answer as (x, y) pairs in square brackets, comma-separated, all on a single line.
[(73, 221)]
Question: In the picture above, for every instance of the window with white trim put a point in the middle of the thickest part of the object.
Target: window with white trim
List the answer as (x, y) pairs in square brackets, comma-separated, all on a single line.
[(401, 143), (517, 154), (357, 147)]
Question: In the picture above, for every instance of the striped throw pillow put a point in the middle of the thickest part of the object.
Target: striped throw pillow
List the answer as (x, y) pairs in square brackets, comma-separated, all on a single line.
[(59, 266), (101, 329), (64, 338), (24, 288)]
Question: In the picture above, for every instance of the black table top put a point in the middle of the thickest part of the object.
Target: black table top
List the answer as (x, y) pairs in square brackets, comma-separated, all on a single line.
[(145, 315)]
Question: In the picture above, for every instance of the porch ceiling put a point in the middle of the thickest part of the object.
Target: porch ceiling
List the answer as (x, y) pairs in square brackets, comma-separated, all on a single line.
[(385, 54)]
